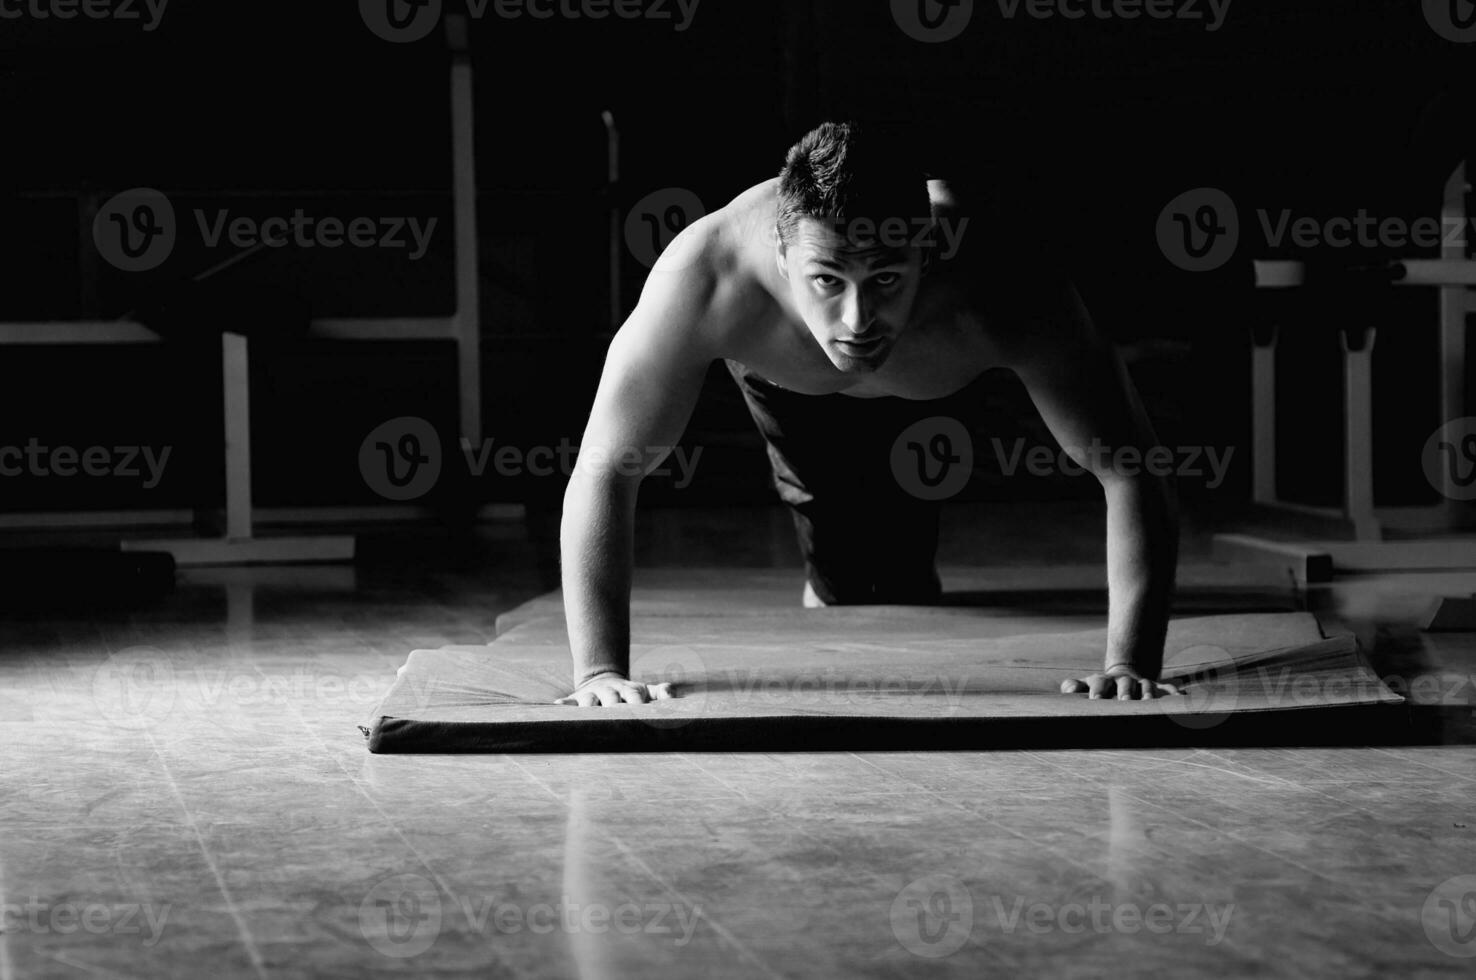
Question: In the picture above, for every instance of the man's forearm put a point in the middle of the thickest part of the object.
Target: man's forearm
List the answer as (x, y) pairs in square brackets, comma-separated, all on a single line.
[(1142, 556), (596, 542)]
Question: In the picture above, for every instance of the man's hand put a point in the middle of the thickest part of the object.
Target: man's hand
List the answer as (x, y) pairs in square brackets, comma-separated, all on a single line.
[(1121, 683), (610, 688)]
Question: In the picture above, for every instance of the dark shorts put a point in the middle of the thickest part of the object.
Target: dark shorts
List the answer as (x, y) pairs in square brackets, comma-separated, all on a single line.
[(865, 539)]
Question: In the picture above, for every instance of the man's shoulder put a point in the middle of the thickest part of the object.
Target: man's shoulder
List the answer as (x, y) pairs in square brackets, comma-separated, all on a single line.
[(717, 240)]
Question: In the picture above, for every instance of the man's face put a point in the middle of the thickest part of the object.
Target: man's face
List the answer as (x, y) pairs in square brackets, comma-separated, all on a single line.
[(855, 297)]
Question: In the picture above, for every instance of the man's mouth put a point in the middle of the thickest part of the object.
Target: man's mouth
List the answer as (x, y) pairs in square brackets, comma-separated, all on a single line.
[(867, 346)]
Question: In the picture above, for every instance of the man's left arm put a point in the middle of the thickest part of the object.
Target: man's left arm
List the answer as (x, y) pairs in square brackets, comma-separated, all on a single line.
[(1082, 391)]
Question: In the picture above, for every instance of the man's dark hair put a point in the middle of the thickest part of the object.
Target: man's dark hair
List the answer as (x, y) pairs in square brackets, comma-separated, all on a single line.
[(853, 178)]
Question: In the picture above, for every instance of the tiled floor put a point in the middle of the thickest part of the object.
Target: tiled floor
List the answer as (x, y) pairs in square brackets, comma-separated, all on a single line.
[(184, 793)]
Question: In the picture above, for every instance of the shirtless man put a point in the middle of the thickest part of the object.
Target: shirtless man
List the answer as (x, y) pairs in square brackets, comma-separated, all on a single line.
[(840, 333)]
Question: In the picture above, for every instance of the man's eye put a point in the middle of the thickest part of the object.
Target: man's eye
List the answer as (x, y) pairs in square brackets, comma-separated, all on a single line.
[(888, 279), (824, 282)]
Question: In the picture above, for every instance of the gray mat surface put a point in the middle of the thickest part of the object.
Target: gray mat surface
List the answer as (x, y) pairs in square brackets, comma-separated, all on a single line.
[(752, 673)]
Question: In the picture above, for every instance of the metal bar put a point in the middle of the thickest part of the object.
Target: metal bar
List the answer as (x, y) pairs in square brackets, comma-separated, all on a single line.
[(236, 370), (1455, 303), (464, 220), (1263, 421), (1358, 434)]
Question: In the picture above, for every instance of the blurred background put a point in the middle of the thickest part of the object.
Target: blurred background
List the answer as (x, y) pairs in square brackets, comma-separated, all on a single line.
[(1088, 128)]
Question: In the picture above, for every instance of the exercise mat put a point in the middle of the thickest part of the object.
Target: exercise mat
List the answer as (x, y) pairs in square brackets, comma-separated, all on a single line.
[(766, 678)]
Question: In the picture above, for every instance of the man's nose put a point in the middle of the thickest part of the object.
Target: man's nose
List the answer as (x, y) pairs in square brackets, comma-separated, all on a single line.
[(859, 317)]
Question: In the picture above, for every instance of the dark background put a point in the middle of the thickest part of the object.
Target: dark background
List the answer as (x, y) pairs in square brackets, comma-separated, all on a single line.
[(1088, 128)]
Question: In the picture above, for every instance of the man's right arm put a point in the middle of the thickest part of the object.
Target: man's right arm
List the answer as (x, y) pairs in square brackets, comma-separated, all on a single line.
[(652, 377)]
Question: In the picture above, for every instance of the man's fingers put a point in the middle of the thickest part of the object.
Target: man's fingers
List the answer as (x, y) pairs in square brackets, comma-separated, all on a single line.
[(661, 692), (1097, 685), (1125, 686), (1073, 685), (633, 693)]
